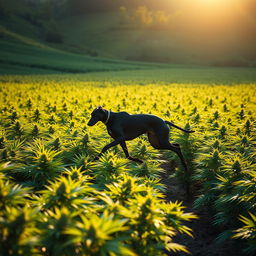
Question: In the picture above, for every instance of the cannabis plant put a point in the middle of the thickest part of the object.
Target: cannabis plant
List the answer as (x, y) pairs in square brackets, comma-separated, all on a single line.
[(99, 235), (11, 194), (248, 233), (41, 164), (125, 188), (18, 232), (108, 167), (68, 193), (53, 225)]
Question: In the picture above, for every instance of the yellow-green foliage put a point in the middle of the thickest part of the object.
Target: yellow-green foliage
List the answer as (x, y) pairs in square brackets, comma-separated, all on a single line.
[(114, 205)]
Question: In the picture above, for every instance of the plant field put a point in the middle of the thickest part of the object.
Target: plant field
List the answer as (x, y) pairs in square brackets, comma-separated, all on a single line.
[(56, 201)]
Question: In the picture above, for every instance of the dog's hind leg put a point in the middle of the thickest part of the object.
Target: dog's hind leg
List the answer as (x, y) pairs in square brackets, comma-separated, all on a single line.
[(124, 147), (165, 144), (175, 148), (160, 140), (153, 140)]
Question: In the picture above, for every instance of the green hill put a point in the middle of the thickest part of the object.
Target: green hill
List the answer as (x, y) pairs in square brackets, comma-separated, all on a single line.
[(25, 49), (22, 55)]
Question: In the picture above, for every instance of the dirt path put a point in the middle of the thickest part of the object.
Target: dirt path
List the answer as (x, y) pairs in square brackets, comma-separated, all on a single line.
[(203, 243)]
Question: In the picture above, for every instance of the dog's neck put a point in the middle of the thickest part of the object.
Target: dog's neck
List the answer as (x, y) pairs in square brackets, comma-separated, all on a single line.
[(108, 116)]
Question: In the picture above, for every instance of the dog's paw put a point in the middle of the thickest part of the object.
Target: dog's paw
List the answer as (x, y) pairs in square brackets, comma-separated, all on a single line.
[(135, 159)]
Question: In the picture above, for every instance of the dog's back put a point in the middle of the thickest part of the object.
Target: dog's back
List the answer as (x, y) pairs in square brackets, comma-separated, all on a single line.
[(137, 123)]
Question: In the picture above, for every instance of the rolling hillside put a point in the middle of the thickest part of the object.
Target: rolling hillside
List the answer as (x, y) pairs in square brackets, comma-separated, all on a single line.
[(20, 55)]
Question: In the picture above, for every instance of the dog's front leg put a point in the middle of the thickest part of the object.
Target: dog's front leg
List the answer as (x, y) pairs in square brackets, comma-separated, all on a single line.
[(124, 147), (110, 145)]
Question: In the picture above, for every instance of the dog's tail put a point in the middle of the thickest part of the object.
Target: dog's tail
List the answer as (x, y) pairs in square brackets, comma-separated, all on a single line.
[(173, 125)]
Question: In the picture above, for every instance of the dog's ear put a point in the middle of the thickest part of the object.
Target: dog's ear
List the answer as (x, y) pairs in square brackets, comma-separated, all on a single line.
[(99, 107)]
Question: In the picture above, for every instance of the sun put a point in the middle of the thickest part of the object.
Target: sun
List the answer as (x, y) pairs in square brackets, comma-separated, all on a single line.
[(210, 1), (213, 5), (214, 2)]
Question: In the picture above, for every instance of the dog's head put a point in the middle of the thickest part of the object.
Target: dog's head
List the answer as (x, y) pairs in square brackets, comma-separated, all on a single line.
[(98, 114)]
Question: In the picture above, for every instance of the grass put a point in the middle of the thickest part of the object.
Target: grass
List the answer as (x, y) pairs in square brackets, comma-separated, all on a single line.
[(175, 75), (24, 54), (179, 74), (33, 58), (21, 55)]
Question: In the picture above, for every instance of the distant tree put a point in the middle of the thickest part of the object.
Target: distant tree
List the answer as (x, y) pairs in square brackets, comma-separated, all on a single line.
[(124, 16), (161, 18), (143, 16)]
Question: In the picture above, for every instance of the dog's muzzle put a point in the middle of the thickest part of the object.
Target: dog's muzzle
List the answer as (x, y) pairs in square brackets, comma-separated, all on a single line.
[(92, 121)]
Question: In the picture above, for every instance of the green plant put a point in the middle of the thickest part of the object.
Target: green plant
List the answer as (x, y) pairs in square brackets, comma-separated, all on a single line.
[(12, 195), (68, 193), (44, 164), (108, 167), (150, 219), (150, 169), (125, 188), (18, 232), (53, 239), (248, 232), (99, 235)]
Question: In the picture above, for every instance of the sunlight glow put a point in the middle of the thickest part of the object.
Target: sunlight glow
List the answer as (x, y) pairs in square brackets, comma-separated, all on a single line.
[(212, 2), (215, 3)]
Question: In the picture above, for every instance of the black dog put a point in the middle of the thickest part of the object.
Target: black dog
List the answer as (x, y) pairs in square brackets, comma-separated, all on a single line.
[(122, 126)]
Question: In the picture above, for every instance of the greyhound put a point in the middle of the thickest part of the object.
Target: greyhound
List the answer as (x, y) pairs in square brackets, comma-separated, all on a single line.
[(122, 126)]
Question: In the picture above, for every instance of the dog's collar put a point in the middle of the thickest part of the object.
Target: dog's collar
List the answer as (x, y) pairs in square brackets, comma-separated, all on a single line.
[(107, 117)]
